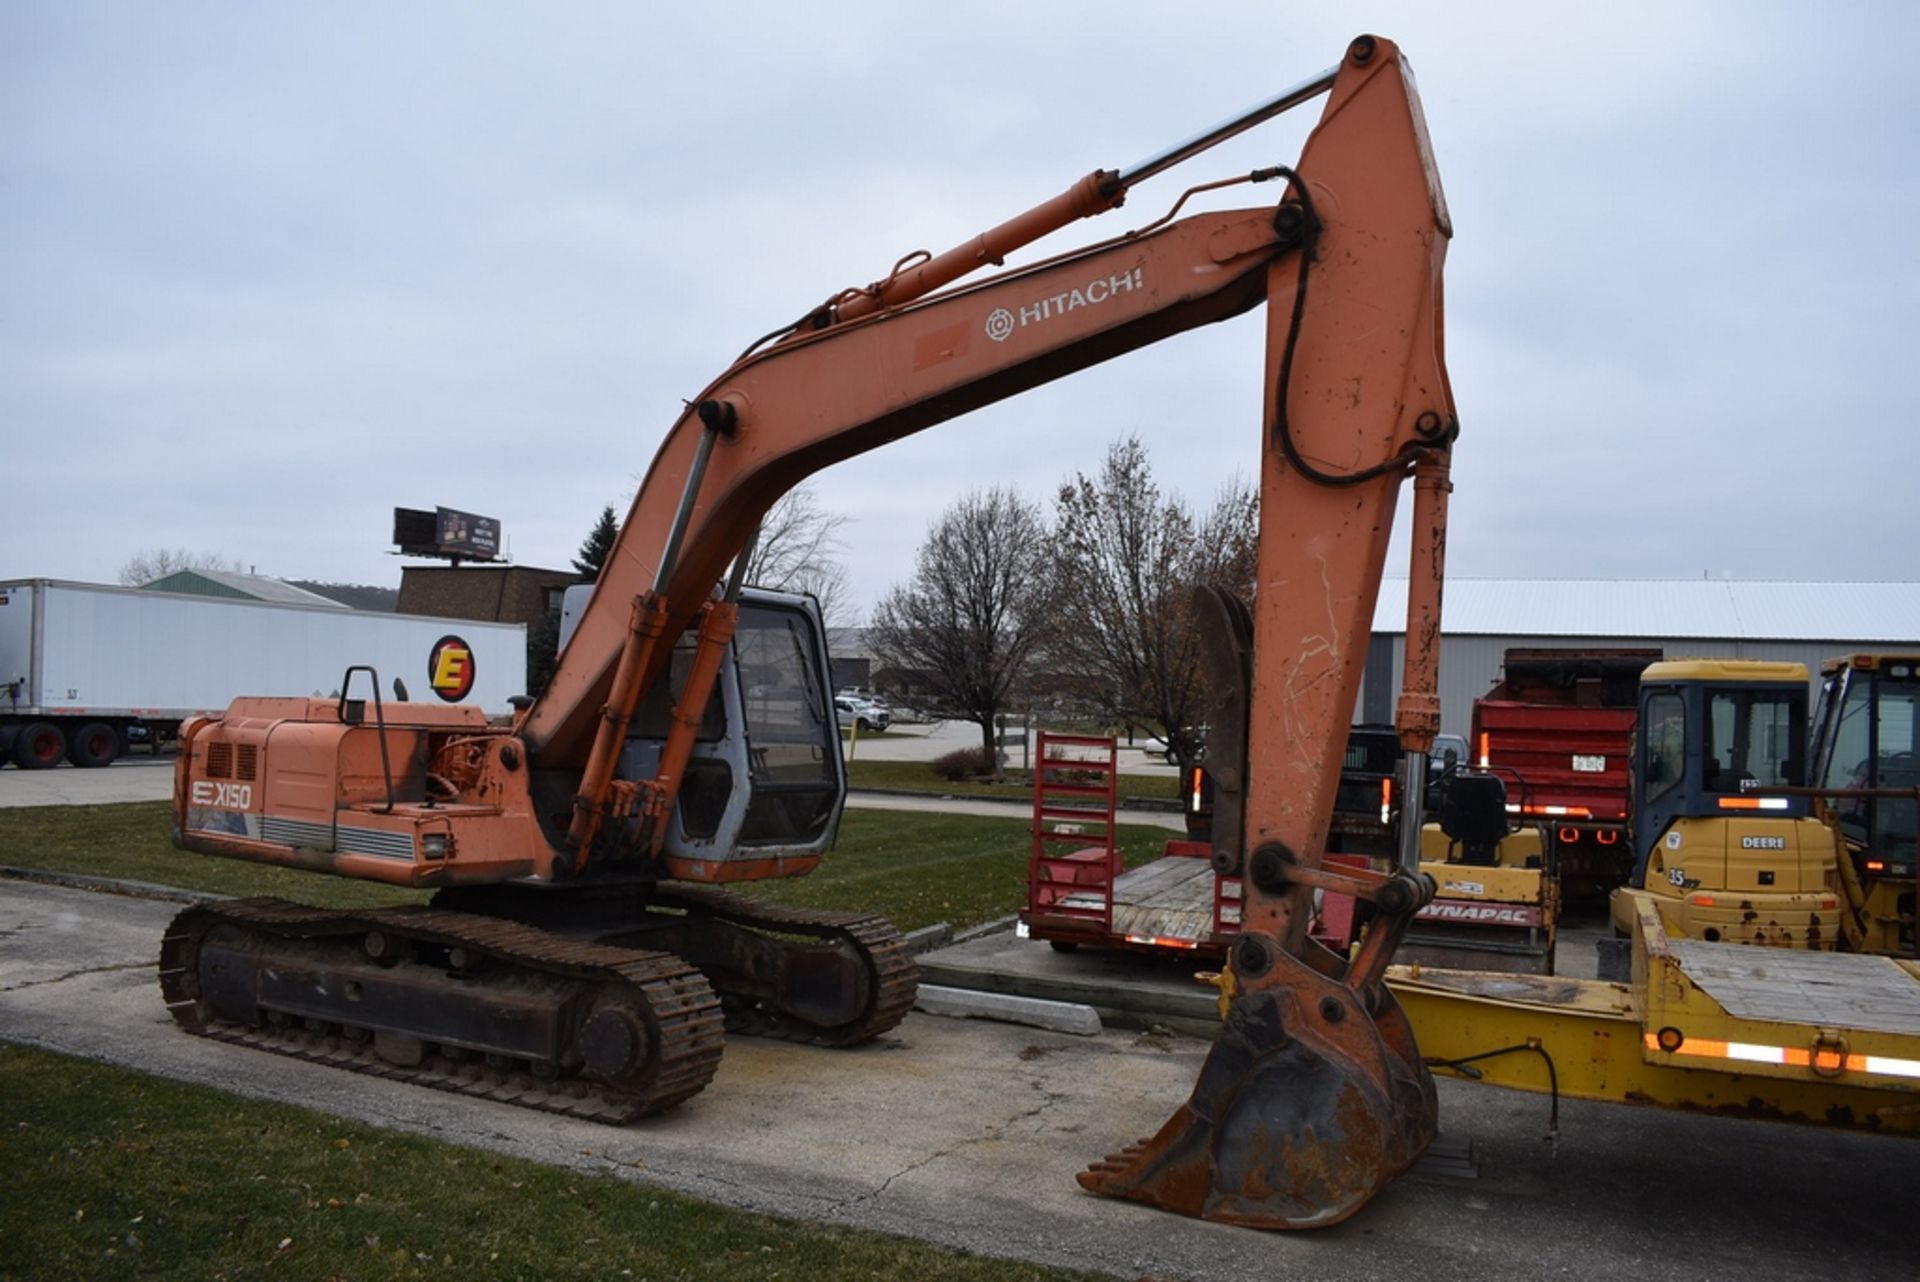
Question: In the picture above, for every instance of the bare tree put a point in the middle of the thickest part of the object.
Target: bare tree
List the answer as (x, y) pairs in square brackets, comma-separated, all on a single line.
[(798, 551), (1128, 560), (144, 567), (969, 622), (1227, 540)]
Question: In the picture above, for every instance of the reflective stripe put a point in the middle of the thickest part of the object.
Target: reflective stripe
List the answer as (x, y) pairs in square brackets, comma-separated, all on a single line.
[(1161, 941), (1753, 803), (1824, 1059)]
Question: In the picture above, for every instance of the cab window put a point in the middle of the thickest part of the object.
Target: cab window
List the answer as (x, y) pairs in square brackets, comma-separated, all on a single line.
[(1753, 739), (1664, 729), (792, 741), (1850, 760), (653, 719)]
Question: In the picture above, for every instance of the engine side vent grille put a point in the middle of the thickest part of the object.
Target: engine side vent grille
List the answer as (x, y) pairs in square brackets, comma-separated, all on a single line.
[(219, 761), (249, 761)]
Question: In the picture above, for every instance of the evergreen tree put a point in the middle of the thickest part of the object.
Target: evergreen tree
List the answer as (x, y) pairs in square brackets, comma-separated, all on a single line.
[(593, 553)]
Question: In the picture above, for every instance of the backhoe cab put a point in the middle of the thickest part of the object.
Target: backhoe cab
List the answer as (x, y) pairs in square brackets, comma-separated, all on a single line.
[(1866, 732)]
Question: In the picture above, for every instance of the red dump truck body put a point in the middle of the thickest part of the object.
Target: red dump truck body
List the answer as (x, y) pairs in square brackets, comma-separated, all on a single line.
[(1558, 728)]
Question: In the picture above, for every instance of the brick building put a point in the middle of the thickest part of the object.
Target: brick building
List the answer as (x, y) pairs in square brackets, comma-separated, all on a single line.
[(503, 593)]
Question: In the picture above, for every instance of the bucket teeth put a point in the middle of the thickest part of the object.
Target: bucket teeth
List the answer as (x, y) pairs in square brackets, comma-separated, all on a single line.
[(1111, 1164)]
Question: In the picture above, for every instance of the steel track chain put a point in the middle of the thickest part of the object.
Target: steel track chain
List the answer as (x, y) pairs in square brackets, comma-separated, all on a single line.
[(686, 1021), (889, 961)]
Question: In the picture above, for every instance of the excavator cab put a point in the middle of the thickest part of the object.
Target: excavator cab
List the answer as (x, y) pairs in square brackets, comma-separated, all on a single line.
[(1723, 836), (1715, 736), (762, 791)]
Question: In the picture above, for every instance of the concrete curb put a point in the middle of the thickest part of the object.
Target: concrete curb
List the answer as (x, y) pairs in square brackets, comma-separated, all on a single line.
[(1120, 1002), (111, 885), (1006, 1008), (994, 927), (928, 938)]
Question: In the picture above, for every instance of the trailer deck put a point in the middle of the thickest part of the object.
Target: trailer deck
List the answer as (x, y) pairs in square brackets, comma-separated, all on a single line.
[(1799, 986), (1085, 894), (1170, 901)]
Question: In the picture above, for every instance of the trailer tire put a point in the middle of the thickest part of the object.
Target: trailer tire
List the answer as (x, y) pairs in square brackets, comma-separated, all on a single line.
[(39, 745), (94, 744)]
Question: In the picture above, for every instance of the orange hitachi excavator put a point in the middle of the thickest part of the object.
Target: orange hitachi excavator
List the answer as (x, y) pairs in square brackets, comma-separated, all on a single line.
[(581, 954)]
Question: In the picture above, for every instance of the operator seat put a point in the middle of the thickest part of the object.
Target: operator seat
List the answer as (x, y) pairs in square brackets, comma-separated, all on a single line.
[(1473, 815)]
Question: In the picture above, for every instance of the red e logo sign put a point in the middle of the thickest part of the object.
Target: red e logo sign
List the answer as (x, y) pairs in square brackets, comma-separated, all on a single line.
[(450, 669)]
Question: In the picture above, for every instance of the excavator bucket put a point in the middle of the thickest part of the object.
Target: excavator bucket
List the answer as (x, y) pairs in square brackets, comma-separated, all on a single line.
[(1307, 1105)]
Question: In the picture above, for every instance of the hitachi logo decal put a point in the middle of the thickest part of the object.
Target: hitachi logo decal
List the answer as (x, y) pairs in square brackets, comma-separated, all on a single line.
[(1002, 322), (223, 796)]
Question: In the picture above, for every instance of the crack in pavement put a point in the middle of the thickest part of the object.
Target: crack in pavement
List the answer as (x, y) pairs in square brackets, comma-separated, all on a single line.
[(1048, 1098), (76, 974)]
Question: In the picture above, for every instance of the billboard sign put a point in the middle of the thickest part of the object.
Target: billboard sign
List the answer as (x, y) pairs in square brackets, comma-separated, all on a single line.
[(461, 536)]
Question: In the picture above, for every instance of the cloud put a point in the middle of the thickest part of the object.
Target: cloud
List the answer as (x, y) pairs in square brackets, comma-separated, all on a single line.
[(274, 272)]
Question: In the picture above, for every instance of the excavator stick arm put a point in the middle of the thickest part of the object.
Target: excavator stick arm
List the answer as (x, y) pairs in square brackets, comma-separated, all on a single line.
[(1315, 1095)]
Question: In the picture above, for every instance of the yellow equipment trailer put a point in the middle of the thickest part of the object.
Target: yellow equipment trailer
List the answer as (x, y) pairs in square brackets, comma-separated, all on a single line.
[(1829, 1039)]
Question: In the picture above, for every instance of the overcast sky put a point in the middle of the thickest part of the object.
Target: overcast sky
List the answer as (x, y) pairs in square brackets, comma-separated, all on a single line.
[(271, 270)]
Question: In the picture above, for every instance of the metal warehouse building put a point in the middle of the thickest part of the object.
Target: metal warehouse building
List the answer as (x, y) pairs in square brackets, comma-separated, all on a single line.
[(1685, 618)]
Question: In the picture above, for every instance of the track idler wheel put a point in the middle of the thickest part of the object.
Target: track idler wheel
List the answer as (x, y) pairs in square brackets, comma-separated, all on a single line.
[(1306, 1107)]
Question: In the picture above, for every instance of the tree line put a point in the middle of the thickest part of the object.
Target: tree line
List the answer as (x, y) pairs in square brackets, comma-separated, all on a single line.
[(1090, 612)]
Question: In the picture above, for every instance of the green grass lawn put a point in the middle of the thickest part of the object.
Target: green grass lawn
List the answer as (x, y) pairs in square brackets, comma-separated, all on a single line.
[(912, 868), (917, 868), (116, 1174)]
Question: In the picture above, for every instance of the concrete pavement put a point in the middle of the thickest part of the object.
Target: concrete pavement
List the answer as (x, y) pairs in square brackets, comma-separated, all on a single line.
[(128, 779), (968, 1134)]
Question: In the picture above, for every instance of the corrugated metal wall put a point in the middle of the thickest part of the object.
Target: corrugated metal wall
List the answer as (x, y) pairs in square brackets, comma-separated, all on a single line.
[(1469, 665)]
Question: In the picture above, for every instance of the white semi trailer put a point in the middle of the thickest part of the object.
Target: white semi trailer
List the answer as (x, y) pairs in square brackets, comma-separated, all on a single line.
[(85, 667)]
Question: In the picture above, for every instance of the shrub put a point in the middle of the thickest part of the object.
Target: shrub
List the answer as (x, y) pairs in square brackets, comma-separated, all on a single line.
[(962, 763)]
